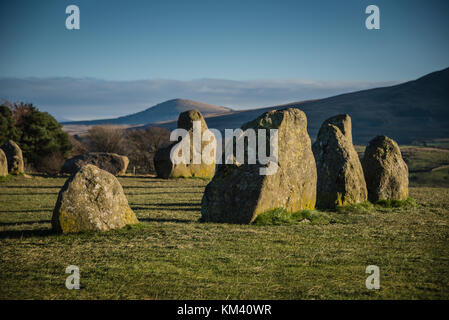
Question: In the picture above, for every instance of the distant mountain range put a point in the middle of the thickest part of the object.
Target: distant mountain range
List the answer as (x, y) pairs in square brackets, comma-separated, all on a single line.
[(414, 110), (168, 110)]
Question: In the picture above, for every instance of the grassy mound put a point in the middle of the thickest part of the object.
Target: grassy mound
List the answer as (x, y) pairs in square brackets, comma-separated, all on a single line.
[(280, 216), (359, 208), (409, 202)]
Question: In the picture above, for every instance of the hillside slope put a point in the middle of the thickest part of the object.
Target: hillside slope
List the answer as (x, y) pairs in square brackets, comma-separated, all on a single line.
[(414, 110), (168, 110)]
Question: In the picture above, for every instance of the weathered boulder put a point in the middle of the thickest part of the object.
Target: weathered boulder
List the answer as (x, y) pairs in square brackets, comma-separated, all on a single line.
[(111, 162), (166, 168), (340, 174), (14, 157), (3, 164), (91, 199), (386, 173), (239, 192)]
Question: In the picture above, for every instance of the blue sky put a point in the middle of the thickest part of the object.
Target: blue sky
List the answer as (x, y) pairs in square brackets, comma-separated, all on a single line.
[(323, 42)]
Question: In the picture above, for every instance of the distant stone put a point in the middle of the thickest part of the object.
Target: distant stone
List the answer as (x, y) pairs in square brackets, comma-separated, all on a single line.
[(14, 157), (340, 174), (91, 200), (165, 168), (386, 173), (3, 164), (111, 162), (238, 192)]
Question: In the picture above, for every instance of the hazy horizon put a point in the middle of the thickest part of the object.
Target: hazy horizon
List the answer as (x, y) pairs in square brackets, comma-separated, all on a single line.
[(76, 99)]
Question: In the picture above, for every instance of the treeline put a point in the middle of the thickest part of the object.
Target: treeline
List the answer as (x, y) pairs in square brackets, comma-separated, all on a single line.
[(38, 134), (46, 146)]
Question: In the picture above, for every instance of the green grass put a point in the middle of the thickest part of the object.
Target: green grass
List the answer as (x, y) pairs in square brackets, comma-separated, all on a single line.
[(357, 208), (171, 255), (424, 159), (436, 143), (280, 216), (437, 178)]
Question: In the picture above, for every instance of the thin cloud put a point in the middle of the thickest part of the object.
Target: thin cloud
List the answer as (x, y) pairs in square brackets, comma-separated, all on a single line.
[(90, 98)]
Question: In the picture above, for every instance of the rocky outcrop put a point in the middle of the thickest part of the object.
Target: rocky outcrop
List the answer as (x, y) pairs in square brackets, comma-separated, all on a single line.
[(91, 200), (111, 162), (386, 173), (167, 168), (3, 164), (14, 157), (239, 192), (340, 174)]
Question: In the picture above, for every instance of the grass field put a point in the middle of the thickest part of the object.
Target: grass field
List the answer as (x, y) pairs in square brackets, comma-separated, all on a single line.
[(170, 255)]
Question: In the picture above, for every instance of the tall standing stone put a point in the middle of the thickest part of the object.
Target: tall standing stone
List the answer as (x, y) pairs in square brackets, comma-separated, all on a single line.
[(340, 174), (165, 168), (91, 200), (239, 192), (386, 173), (14, 157), (3, 164)]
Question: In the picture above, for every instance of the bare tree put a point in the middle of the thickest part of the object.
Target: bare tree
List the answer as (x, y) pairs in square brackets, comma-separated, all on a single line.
[(108, 139), (142, 145)]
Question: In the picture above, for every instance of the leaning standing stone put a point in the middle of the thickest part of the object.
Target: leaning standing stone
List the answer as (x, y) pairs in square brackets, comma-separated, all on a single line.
[(165, 168), (386, 173), (91, 200), (340, 174), (14, 157), (3, 164), (238, 192)]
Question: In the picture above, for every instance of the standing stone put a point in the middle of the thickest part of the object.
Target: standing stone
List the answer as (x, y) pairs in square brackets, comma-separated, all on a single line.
[(340, 174), (239, 192), (165, 168), (3, 164), (386, 173), (111, 162), (14, 157), (91, 200)]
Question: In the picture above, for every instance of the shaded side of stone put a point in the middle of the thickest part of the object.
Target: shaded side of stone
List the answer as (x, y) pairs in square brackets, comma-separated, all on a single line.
[(386, 172)]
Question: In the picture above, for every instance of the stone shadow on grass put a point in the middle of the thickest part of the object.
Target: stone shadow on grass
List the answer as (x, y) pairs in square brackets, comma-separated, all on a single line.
[(166, 220), (24, 222), (175, 206), (32, 187), (18, 234), (26, 211)]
